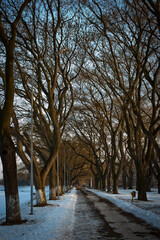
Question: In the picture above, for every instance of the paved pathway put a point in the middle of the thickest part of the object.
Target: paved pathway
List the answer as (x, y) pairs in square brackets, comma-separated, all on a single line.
[(97, 218)]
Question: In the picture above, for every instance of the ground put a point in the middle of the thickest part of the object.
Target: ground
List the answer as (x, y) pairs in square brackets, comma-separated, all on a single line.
[(84, 215), (98, 218)]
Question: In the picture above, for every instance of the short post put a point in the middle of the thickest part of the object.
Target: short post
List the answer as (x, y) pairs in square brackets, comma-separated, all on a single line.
[(133, 194)]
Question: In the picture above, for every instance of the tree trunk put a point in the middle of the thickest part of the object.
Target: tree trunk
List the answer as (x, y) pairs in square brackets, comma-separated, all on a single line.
[(99, 184), (60, 181), (159, 183), (124, 177), (148, 181), (96, 181), (7, 149), (115, 185), (141, 185), (103, 183), (62, 187), (109, 182), (52, 183), (39, 186), (130, 178), (41, 196), (90, 183), (10, 180)]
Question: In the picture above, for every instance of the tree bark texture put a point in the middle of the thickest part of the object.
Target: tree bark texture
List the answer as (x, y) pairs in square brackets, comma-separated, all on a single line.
[(10, 180), (109, 182), (52, 183), (159, 183), (40, 189), (130, 178), (141, 185), (124, 177), (96, 181), (115, 185), (103, 183)]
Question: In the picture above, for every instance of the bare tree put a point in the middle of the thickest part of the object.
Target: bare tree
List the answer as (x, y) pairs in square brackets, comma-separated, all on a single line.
[(124, 56), (9, 20), (53, 66)]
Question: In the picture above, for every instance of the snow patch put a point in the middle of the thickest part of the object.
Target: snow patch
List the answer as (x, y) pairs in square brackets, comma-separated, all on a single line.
[(149, 210), (55, 221)]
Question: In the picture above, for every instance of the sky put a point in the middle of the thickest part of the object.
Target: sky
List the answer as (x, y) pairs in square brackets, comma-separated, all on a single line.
[(60, 214)]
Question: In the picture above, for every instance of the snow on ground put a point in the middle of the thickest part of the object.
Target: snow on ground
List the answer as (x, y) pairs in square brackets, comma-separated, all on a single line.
[(51, 222), (56, 221), (146, 210)]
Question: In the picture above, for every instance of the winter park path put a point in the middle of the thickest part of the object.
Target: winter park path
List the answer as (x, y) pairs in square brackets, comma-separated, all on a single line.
[(78, 215), (97, 218)]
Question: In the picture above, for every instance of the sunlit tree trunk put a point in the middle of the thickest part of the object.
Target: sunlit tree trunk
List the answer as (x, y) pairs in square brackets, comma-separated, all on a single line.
[(52, 183), (41, 196), (40, 189)]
